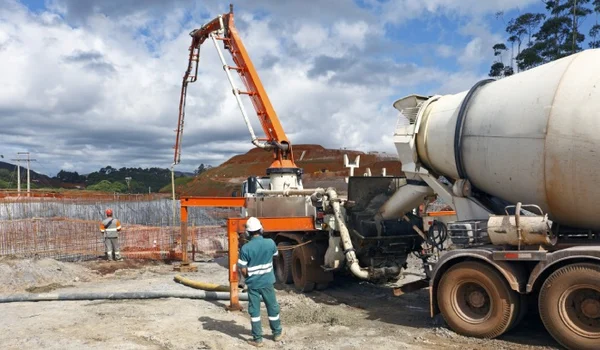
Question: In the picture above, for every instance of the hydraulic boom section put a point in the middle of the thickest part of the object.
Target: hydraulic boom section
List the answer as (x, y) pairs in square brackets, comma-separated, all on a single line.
[(223, 29)]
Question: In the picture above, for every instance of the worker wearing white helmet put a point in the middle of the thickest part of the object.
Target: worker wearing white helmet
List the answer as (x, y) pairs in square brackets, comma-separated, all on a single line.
[(256, 264)]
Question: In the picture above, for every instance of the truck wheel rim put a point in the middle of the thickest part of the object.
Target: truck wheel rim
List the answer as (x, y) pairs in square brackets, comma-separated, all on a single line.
[(471, 302), (579, 310)]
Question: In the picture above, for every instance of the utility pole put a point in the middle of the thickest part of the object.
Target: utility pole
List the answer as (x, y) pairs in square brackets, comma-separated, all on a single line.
[(128, 180), (28, 160), (18, 176)]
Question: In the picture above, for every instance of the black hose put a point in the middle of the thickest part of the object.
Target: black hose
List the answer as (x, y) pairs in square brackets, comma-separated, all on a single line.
[(437, 238), (458, 131), (207, 295)]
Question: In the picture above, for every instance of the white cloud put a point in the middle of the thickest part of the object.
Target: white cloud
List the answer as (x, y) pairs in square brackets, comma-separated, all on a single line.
[(479, 49), (87, 85), (458, 82), (402, 10), (353, 34), (472, 53), (445, 51), (310, 36)]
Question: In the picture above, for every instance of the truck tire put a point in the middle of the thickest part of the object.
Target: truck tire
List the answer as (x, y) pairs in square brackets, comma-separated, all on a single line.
[(569, 306), (321, 286), (283, 263), (476, 301), (521, 310), (301, 271)]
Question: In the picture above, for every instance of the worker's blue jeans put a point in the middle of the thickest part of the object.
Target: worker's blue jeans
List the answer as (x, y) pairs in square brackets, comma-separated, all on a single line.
[(268, 296)]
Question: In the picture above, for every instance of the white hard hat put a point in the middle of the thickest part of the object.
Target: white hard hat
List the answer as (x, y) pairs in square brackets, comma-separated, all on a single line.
[(253, 225)]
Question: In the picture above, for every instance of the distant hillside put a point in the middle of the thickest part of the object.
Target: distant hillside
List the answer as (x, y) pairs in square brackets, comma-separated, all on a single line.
[(322, 168), (8, 177), (123, 180), (107, 179)]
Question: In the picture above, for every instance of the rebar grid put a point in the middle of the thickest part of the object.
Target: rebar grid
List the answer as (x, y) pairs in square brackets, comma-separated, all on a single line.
[(68, 229)]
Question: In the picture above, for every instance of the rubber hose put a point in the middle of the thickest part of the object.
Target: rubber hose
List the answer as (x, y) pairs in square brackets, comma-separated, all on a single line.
[(206, 295), (437, 240), (201, 285)]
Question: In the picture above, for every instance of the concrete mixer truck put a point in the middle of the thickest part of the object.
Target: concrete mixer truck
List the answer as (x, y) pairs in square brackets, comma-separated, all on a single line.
[(519, 161)]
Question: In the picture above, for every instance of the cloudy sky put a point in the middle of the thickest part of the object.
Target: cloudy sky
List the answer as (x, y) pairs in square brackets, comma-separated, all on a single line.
[(85, 84)]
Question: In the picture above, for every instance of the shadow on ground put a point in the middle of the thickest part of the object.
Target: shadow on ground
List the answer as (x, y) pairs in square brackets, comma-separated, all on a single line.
[(412, 310), (230, 328)]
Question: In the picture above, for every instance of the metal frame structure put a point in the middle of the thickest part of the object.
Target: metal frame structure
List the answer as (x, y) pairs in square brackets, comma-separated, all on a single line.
[(235, 226)]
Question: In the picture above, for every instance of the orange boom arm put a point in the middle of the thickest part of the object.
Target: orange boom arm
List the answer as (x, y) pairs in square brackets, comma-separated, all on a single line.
[(223, 29)]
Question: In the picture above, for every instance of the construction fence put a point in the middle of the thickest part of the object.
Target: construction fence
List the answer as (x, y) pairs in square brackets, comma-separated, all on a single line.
[(68, 229)]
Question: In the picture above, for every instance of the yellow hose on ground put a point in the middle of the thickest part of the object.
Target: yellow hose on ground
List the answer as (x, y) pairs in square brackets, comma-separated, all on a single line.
[(201, 285)]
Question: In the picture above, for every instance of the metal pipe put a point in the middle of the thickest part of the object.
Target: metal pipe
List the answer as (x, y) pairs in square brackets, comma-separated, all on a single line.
[(303, 192), (206, 295), (405, 199), (345, 236), (236, 94), (174, 202)]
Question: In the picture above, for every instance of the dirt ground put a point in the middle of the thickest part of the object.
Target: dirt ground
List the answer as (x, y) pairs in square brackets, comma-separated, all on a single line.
[(348, 315)]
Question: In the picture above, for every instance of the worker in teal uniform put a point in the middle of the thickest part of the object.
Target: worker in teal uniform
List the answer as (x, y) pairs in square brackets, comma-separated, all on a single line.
[(256, 265)]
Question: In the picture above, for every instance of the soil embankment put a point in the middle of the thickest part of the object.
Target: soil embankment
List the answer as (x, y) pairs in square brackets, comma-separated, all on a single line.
[(322, 168)]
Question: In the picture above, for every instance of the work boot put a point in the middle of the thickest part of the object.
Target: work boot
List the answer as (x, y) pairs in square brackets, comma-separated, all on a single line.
[(118, 257), (278, 337), (109, 256), (258, 344)]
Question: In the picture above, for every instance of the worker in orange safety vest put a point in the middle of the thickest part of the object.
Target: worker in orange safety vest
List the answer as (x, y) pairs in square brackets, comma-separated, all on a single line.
[(110, 228)]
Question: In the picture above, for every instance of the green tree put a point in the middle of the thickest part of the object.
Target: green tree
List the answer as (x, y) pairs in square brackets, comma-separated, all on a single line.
[(512, 40), (496, 70), (107, 186), (560, 34), (549, 37), (202, 168), (498, 49), (524, 25), (530, 57), (595, 30), (5, 174), (69, 176)]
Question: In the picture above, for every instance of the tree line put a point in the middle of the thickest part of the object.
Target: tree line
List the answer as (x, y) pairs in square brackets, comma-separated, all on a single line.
[(124, 180), (538, 38)]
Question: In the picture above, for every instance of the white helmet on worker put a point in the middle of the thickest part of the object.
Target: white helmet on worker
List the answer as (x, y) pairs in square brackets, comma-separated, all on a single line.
[(253, 225)]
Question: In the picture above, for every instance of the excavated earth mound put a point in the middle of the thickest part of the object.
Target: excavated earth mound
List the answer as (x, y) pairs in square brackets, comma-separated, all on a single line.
[(322, 168)]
